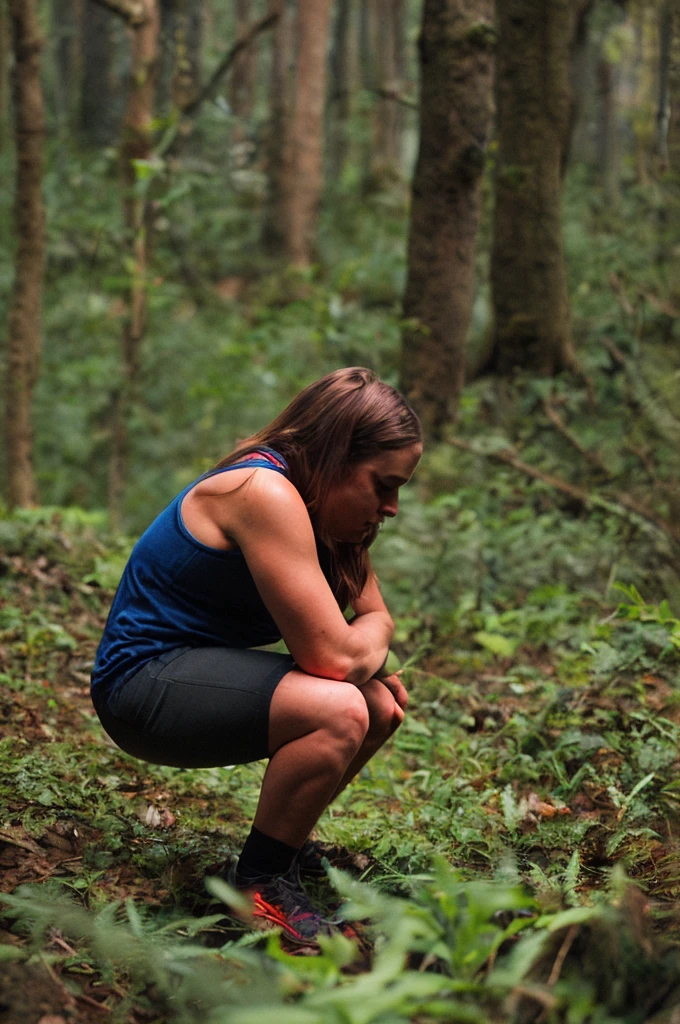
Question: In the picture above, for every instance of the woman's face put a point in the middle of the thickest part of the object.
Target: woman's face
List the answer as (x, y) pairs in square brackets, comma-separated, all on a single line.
[(356, 506)]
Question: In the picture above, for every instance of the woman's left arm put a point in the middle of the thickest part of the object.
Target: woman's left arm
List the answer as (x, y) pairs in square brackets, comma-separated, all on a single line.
[(370, 602)]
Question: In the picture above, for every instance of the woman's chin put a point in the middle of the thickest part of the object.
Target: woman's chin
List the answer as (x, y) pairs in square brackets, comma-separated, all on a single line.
[(370, 534)]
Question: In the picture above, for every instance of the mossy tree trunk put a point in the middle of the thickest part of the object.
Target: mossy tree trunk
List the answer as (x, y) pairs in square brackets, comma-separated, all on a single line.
[(66, 28), (304, 182), (296, 136), (4, 74), (277, 149), (456, 46), (135, 146), (673, 141), (25, 315), (96, 119), (533, 99), (388, 117), (180, 53), (243, 80), (342, 68)]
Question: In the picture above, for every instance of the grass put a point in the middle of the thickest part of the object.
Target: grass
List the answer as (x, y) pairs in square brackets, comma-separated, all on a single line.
[(536, 769), (516, 845)]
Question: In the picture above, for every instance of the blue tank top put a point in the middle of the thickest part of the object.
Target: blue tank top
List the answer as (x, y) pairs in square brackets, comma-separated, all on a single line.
[(178, 592)]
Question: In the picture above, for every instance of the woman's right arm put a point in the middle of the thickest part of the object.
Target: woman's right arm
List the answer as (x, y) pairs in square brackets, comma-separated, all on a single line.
[(269, 521)]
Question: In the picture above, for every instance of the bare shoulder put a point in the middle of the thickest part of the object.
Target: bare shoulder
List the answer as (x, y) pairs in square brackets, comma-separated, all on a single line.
[(270, 500), (224, 508)]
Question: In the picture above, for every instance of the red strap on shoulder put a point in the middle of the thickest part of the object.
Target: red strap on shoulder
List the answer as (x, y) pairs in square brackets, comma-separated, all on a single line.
[(267, 456)]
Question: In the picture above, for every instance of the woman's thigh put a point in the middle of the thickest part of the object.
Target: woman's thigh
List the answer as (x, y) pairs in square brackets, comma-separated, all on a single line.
[(302, 704), (197, 707)]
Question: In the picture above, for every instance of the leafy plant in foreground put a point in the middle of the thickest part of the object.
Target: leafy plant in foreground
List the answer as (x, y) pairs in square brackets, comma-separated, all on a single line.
[(456, 951)]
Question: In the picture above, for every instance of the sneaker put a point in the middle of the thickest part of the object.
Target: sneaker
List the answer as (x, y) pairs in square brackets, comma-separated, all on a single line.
[(312, 858), (279, 901)]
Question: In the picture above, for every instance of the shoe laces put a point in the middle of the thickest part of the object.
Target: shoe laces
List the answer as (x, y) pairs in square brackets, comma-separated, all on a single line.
[(282, 902)]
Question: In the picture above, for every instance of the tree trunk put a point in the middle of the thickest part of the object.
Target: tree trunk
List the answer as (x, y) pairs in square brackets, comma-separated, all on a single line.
[(275, 231), (180, 52), (67, 17), (96, 121), (663, 108), (4, 75), (528, 275), (342, 68), (674, 90), (25, 315), (304, 184), (135, 145), (295, 149), (456, 46), (609, 155), (578, 74), (243, 80), (388, 41)]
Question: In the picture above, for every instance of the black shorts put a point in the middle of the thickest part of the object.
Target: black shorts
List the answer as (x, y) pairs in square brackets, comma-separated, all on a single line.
[(196, 707)]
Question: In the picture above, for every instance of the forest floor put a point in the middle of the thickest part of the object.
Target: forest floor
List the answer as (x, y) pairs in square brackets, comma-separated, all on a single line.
[(541, 769)]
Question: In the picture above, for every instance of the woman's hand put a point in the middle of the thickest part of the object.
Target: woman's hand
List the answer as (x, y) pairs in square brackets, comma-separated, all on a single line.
[(396, 688)]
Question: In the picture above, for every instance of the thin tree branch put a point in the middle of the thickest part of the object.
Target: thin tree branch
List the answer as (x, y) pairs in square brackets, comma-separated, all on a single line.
[(386, 92), (592, 457), (671, 489), (131, 11), (207, 92), (643, 396), (562, 955), (621, 504), (616, 285)]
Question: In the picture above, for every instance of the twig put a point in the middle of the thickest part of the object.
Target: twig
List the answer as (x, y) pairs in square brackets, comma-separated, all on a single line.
[(661, 306), (132, 11), (70, 996), (615, 352), (511, 458), (621, 505), (643, 396), (562, 955), (616, 285), (671, 489), (557, 421), (23, 844), (546, 999), (386, 92), (241, 43), (93, 1002)]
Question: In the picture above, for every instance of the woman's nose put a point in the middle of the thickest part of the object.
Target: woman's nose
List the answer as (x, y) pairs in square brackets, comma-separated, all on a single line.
[(390, 506)]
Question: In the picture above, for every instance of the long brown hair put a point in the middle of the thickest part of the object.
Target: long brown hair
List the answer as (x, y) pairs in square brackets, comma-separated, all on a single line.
[(343, 418)]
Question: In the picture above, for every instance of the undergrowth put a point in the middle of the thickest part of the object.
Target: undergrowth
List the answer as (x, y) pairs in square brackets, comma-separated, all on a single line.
[(517, 843)]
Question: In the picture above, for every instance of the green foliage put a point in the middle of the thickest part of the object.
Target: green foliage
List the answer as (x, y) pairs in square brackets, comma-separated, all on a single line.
[(475, 955), (638, 610), (540, 750)]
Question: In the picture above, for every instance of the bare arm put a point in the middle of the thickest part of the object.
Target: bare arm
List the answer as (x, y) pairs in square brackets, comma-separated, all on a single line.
[(268, 520), (370, 607), (372, 617)]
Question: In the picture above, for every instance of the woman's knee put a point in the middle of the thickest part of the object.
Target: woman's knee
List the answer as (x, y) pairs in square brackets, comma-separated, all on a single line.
[(303, 704), (347, 717), (385, 715)]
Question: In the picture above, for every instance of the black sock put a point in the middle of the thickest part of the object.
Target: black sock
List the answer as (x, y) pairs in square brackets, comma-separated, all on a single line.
[(262, 855)]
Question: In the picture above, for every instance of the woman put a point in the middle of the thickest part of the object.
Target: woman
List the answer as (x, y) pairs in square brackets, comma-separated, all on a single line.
[(271, 543)]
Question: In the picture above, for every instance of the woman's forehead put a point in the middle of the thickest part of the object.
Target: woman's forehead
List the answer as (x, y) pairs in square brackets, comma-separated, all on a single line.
[(399, 462)]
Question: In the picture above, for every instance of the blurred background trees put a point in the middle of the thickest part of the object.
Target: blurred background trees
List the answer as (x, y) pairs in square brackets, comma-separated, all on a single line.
[(241, 196), (25, 311)]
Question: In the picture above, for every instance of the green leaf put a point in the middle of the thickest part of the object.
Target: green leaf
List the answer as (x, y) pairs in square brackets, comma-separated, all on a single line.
[(496, 643)]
